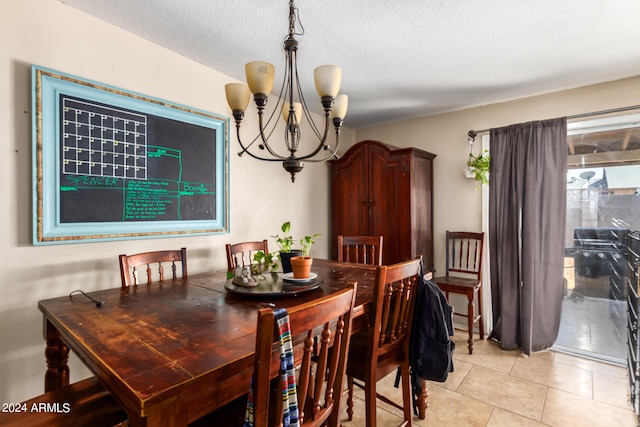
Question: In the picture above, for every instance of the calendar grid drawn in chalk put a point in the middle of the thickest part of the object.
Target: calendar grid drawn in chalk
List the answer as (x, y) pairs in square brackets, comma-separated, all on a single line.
[(103, 141)]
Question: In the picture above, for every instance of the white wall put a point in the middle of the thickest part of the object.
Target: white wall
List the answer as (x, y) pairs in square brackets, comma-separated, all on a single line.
[(53, 35)]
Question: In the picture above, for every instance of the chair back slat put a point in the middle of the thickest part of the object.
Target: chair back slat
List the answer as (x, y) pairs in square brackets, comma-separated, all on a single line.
[(360, 249), (464, 252), (385, 334), (241, 254), (131, 266)]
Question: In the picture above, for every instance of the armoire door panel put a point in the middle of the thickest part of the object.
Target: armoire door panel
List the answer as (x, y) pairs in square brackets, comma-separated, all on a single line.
[(389, 212), (350, 195), (421, 212)]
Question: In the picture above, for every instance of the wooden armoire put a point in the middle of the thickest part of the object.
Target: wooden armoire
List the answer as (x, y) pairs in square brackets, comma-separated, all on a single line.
[(378, 189)]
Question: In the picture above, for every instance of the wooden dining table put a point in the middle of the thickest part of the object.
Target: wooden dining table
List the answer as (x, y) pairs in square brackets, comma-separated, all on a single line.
[(173, 351)]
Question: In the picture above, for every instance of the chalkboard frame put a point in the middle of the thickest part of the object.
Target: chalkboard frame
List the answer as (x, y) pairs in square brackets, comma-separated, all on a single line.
[(48, 88)]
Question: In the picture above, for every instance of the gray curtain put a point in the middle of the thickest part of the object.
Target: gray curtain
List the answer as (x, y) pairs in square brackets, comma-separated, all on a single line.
[(527, 215)]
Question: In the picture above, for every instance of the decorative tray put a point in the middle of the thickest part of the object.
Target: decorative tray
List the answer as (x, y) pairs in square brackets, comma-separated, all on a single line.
[(273, 284)]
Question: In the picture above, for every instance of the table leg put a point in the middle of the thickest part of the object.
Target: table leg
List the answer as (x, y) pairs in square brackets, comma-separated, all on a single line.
[(57, 355), (423, 403)]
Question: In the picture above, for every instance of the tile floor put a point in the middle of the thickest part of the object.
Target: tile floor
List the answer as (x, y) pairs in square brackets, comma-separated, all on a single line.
[(496, 388)]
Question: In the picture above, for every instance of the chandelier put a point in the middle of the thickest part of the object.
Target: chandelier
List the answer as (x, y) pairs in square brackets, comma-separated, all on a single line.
[(260, 76)]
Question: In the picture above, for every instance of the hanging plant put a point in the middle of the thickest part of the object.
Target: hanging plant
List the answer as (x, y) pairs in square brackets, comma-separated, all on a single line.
[(478, 166)]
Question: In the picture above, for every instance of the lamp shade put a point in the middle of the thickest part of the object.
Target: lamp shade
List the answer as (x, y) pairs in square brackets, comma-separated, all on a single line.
[(328, 79), (297, 110), (340, 106), (238, 95), (260, 76)]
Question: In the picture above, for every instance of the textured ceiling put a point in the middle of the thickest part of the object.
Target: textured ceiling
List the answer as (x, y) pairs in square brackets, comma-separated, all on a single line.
[(402, 59)]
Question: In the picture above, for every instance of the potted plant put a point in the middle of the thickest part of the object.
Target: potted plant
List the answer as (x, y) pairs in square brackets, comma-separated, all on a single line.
[(263, 262), (286, 242), (301, 266), (478, 167)]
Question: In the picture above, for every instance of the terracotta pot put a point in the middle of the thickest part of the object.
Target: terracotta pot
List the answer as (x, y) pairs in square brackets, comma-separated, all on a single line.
[(301, 266), (285, 257)]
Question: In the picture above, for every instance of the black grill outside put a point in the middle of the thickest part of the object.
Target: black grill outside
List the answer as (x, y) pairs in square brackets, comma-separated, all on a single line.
[(600, 253)]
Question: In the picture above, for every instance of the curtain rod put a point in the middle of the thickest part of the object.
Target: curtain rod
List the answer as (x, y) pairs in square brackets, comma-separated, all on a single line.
[(474, 133)]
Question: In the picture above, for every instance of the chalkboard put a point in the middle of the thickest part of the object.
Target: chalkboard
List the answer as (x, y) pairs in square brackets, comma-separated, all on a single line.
[(111, 164)]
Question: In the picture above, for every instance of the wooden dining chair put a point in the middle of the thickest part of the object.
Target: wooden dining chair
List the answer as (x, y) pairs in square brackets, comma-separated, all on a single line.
[(241, 254), (360, 249), (319, 371), (83, 403), (383, 346), (463, 276), (319, 381), (153, 265)]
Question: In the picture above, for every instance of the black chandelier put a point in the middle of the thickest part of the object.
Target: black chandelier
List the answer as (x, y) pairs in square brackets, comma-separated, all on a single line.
[(260, 76)]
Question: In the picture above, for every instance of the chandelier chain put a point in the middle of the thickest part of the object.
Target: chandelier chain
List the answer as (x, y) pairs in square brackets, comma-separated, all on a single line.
[(293, 17)]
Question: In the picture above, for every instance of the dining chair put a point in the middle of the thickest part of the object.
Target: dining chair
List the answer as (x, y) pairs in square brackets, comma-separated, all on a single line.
[(152, 262), (463, 275), (83, 403), (318, 371), (241, 254), (383, 346), (360, 249)]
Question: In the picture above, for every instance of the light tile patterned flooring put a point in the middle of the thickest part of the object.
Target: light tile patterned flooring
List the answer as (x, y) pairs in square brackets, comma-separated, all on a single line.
[(497, 388)]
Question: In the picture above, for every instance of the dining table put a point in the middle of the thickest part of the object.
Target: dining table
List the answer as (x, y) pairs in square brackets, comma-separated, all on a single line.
[(170, 352)]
